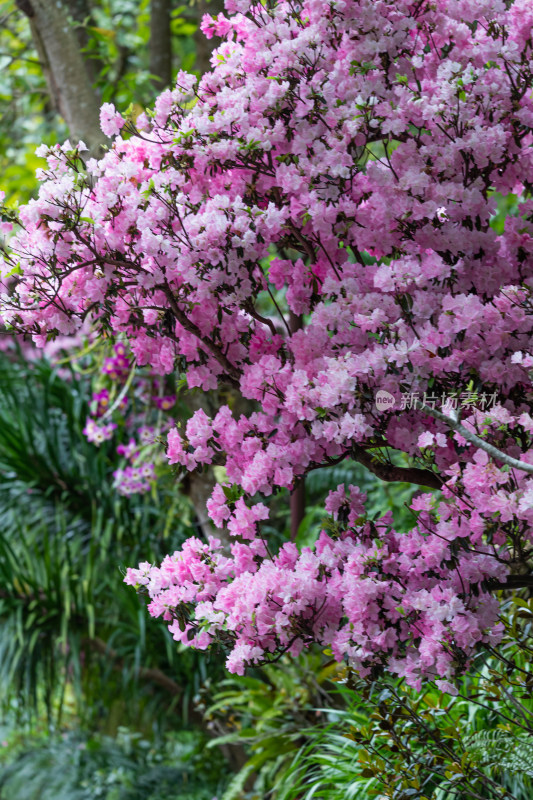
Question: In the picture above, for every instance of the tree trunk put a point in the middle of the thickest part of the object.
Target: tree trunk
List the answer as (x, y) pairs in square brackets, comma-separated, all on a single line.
[(66, 74), (205, 46), (81, 13), (199, 485), (297, 507), (297, 501), (160, 44)]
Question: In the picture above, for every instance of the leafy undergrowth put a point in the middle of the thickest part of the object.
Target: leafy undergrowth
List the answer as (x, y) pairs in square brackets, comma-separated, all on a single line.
[(77, 766)]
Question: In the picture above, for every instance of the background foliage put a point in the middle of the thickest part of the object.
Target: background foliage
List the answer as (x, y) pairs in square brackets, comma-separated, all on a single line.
[(116, 38)]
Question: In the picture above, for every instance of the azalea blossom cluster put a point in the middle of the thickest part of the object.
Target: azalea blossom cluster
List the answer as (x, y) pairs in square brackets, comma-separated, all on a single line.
[(311, 223), (141, 451), (375, 597)]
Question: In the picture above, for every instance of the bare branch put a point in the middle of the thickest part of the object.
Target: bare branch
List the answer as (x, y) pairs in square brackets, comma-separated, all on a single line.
[(455, 425)]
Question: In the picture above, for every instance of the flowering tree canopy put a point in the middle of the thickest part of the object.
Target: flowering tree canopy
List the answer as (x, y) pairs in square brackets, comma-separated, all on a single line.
[(314, 224)]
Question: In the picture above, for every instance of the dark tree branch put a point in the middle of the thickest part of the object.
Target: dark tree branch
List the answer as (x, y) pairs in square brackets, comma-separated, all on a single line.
[(297, 499), (389, 472), (297, 507), (513, 582), (231, 371)]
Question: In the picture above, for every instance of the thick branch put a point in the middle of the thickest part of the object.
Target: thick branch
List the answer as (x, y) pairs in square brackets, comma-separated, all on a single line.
[(389, 472)]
